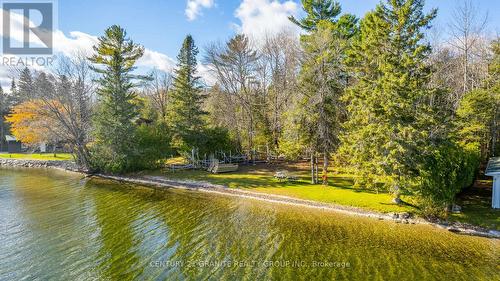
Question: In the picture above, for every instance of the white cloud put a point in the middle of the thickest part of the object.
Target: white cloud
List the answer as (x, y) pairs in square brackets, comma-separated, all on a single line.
[(206, 75), (76, 43), (153, 59), (266, 17), (193, 7), (5, 79)]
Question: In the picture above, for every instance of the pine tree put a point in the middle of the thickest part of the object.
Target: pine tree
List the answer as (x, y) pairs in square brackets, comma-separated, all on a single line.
[(26, 87), (493, 86), (115, 56), (316, 11), (391, 124), (185, 102), (476, 119), (4, 104), (323, 77), (478, 114), (13, 93), (43, 87), (4, 110)]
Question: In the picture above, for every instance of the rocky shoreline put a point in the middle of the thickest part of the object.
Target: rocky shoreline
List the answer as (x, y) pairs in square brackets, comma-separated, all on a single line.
[(63, 165), (164, 183)]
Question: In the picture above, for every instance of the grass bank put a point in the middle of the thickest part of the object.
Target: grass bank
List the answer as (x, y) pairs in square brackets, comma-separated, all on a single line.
[(260, 178), (37, 156), (475, 202)]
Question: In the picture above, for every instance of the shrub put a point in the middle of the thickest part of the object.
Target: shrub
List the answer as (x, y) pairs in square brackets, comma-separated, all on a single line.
[(291, 150), (153, 145), (207, 141), (449, 168), (149, 145)]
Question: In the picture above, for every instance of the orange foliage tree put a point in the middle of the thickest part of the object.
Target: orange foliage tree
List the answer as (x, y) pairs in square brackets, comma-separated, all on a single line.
[(32, 123)]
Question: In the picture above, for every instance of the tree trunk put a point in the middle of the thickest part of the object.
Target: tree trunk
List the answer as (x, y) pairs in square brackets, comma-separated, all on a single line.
[(466, 72), (1, 132), (82, 156), (325, 168), (494, 135), (316, 175), (313, 178)]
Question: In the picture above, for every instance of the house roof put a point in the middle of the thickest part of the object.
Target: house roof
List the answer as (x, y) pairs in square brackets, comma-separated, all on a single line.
[(10, 138), (493, 167)]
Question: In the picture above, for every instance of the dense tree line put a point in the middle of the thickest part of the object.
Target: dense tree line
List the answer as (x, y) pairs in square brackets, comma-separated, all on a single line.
[(376, 96)]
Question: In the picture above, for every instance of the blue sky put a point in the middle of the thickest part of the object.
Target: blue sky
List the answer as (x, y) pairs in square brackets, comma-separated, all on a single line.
[(162, 25)]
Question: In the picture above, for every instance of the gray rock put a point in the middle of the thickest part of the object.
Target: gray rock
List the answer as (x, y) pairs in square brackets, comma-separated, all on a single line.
[(456, 209), (405, 215), (66, 165), (397, 200)]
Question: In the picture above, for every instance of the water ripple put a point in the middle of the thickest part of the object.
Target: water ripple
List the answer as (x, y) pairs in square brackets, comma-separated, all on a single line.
[(55, 226)]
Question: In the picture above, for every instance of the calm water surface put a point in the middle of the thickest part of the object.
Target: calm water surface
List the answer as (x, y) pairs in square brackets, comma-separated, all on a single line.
[(58, 226)]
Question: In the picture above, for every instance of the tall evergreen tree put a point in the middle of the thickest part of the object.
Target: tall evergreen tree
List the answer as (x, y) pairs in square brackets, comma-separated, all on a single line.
[(26, 86), (493, 86), (4, 110), (316, 11), (477, 115), (185, 102), (478, 111), (115, 56), (13, 92), (324, 77), (390, 123), (43, 86), (4, 103), (9, 101)]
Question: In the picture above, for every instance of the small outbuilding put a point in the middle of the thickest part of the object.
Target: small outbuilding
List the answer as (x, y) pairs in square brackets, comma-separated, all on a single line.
[(493, 170), (13, 145)]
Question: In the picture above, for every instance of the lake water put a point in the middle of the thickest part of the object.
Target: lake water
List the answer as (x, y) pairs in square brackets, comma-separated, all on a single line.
[(60, 226)]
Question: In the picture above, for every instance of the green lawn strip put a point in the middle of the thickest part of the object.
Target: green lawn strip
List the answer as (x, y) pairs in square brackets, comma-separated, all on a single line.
[(348, 197), (479, 215), (476, 207), (339, 192), (44, 156)]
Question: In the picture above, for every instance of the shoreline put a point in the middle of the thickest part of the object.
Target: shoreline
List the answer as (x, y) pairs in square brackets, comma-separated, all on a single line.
[(165, 183)]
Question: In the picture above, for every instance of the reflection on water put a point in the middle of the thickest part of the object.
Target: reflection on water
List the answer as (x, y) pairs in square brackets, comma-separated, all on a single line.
[(55, 225)]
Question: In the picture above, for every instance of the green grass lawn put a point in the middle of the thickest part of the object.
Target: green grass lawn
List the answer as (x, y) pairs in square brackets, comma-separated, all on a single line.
[(476, 206), (37, 156), (475, 202), (260, 179)]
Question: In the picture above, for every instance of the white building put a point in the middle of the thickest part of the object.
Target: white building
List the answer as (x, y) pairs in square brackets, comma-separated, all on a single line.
[(493, 170)]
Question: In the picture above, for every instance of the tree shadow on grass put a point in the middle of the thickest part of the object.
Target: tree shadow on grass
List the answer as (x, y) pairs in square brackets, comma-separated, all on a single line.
[(402, 205), (262, 176)]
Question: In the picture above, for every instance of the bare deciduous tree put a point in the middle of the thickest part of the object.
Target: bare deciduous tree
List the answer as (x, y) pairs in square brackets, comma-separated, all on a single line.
[(466, 29), (281, 54), (157, 90), (255, 86), (69, 104), (235, 67)]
